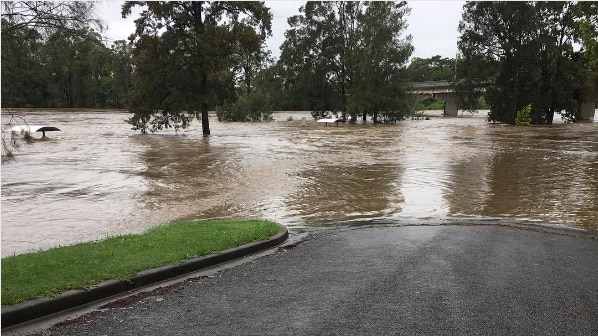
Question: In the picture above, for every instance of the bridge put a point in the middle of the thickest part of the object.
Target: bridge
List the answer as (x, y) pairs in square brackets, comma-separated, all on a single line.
[(444, 91), (440, 90)]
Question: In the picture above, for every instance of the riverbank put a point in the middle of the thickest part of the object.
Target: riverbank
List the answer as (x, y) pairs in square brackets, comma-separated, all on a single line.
[(54, 271)]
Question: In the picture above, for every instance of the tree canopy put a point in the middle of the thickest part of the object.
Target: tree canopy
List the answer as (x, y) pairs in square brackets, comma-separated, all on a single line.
[(348, 57), (436, 68), (68, 68), (53, 55), (47, 17), (525, 53), (185, 54)]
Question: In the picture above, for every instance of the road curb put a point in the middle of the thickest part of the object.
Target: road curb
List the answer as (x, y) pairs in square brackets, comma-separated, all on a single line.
[(34, 309)]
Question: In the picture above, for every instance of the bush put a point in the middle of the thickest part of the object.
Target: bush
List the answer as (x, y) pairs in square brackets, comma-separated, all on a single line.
[(524, 116), (252, 106), (430, 104)]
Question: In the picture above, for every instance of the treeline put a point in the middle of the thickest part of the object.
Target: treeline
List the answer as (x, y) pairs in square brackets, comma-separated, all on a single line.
[(68, 68), (352, 58), (538, 54), (74, 67)]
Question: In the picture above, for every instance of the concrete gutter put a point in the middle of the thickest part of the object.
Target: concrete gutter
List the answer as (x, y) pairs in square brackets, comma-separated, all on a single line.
[(34, 309)]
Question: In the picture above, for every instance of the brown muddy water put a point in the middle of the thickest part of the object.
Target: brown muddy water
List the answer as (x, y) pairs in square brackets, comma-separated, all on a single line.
[(97, 178)]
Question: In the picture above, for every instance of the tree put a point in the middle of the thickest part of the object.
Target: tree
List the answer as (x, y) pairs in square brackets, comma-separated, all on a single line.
[(347, 56), (380, 77), (122, 70), (26, 27), (68, 68), (184, 57), (46, 17), (270, 81), (587, 32), (251, 100), (78, 68), (435, 68), (528, 51), (21, 67), (493, 36)]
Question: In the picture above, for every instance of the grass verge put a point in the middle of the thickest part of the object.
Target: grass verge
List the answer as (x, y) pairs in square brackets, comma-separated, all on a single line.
[(52, 272)]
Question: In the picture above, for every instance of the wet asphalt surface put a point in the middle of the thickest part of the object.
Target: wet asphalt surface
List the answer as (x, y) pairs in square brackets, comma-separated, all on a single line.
[(399, 280)]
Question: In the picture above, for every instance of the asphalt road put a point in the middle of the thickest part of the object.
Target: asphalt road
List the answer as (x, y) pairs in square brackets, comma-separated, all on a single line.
[(411, 280)]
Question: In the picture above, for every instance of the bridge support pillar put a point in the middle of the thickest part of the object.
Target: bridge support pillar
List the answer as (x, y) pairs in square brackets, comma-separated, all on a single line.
[(588, 111), (450, 102)]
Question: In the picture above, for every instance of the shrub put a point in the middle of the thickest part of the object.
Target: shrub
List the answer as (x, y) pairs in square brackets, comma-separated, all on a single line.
[(252, 106), (524, 116)]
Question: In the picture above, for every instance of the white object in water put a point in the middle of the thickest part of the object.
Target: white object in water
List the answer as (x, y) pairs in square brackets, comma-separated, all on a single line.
[(22, 129), (329, 120)]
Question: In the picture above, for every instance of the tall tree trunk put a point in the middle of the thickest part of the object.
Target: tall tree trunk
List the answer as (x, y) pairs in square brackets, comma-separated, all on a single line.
[(205, 122), (247, 70), (203, 89)]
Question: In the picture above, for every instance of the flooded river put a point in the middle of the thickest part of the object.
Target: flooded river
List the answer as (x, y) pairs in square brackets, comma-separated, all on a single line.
[(97, 178)]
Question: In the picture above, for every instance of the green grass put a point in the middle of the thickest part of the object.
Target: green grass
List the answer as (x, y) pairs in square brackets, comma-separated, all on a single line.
[(51, 272)]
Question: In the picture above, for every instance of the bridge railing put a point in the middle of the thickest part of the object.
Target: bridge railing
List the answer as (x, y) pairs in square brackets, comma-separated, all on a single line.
[(448, 85), (430, 84)]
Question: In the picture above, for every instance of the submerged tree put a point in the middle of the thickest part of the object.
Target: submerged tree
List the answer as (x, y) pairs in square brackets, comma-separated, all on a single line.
[(380, 76), (528, 51), (185, 53), (251, 99), (348, 56)]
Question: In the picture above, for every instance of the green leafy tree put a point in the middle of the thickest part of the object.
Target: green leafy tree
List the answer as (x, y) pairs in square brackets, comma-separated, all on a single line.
[(380, 77), (587, 32), (271, 83), (524, 116), (27, 27), (78, 68), (586, 13), (494, 42), (252, 100), (249, 106), (315, 56), (22, 72), (185, 54), (436, 68), (119, 82), (348, 56), (53, 56), (527, 50)]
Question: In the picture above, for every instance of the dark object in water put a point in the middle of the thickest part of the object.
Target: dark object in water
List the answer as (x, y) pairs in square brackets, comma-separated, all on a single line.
[(46, 129), (29, 128)]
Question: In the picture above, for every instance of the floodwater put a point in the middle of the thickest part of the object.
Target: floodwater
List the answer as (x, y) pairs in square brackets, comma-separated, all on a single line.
[(97, 178)]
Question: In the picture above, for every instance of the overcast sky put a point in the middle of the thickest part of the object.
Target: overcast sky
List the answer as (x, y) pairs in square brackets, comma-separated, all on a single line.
[(432, 24)]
